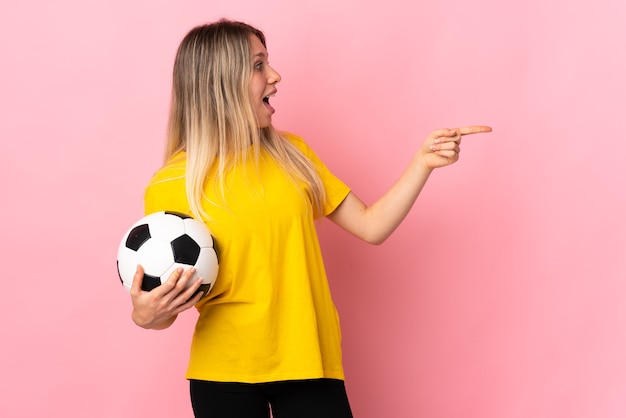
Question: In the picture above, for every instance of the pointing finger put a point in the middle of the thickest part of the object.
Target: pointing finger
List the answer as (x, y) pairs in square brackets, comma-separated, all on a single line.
[(469, 130)]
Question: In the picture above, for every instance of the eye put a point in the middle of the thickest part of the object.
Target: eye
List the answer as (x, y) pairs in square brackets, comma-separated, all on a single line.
[(258, 66)]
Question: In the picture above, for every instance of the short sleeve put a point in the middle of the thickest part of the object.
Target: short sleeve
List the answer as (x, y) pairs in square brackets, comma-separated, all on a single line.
[(336, 190), (166, 190)]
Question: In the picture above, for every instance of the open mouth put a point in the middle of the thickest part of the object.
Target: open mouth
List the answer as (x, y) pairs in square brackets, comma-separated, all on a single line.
[(266, 101)]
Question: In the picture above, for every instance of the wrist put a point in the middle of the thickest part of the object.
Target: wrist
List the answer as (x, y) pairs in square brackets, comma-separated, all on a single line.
[(420, 166), (153, 323), (139, 320)]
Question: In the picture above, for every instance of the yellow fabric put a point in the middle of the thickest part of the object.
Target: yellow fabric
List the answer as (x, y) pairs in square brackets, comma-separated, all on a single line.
[(270, 315)]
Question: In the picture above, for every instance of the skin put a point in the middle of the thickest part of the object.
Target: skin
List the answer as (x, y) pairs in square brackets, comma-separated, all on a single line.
[(263, 82), (159, 308), (373, 223)]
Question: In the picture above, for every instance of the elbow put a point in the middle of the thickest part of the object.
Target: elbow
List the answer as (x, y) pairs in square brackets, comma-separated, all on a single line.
[(375, 239), (374, 236)]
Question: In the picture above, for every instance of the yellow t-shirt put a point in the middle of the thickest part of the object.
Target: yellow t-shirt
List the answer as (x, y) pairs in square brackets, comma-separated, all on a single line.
[(270, 315)]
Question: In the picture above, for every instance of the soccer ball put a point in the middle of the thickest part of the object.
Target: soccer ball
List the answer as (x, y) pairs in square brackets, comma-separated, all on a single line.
[(162, 242)]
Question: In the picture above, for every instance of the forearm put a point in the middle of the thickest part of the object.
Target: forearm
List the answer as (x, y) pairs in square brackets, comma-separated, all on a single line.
[(376, 222), (385, 215)]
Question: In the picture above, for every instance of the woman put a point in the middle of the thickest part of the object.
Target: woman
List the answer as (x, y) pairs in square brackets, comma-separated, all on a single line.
[(268, 335)]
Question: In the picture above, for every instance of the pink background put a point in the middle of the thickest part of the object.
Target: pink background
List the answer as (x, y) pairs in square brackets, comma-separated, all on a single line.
[(502, 294)]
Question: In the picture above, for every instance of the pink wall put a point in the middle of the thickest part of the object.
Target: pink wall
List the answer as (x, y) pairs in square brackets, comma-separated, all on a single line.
[(501, 296)]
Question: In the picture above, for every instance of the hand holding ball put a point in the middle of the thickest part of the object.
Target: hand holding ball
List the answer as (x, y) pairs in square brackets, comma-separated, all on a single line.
[(163, 241)]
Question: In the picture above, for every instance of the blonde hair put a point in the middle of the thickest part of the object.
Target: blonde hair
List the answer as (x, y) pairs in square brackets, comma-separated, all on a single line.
[(212, 118)]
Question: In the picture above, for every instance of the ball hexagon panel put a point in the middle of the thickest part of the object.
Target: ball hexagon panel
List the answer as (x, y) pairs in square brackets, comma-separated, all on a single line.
[(197, 230), (155, 256), (166, 227), (207, 265)]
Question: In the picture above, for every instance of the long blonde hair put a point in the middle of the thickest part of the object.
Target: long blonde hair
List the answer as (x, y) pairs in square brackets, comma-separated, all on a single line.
[(212, 118)]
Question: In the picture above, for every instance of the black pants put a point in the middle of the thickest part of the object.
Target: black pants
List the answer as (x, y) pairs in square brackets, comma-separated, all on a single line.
[(316, 398)]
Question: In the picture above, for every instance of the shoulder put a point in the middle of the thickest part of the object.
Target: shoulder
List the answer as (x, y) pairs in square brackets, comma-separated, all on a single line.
[(291, 137), (173, 169), (298, 142), (169, 178), (166, 189)]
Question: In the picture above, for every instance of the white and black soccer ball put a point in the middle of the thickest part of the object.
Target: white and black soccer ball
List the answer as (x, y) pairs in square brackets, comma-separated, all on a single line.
[(162, 242)]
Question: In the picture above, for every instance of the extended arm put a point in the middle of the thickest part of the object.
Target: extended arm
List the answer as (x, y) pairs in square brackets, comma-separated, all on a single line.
[(375, 223)]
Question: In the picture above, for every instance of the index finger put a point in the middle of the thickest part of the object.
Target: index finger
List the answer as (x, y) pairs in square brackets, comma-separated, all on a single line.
[(469, 130)]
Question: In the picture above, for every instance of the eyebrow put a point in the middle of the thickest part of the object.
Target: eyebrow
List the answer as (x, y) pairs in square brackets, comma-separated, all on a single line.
[(260, 54)]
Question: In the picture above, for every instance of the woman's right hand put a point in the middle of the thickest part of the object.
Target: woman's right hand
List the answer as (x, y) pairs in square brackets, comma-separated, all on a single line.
[(158, 308)]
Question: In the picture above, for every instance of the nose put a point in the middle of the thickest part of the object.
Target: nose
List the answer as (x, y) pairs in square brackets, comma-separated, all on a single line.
[(273, 77)]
